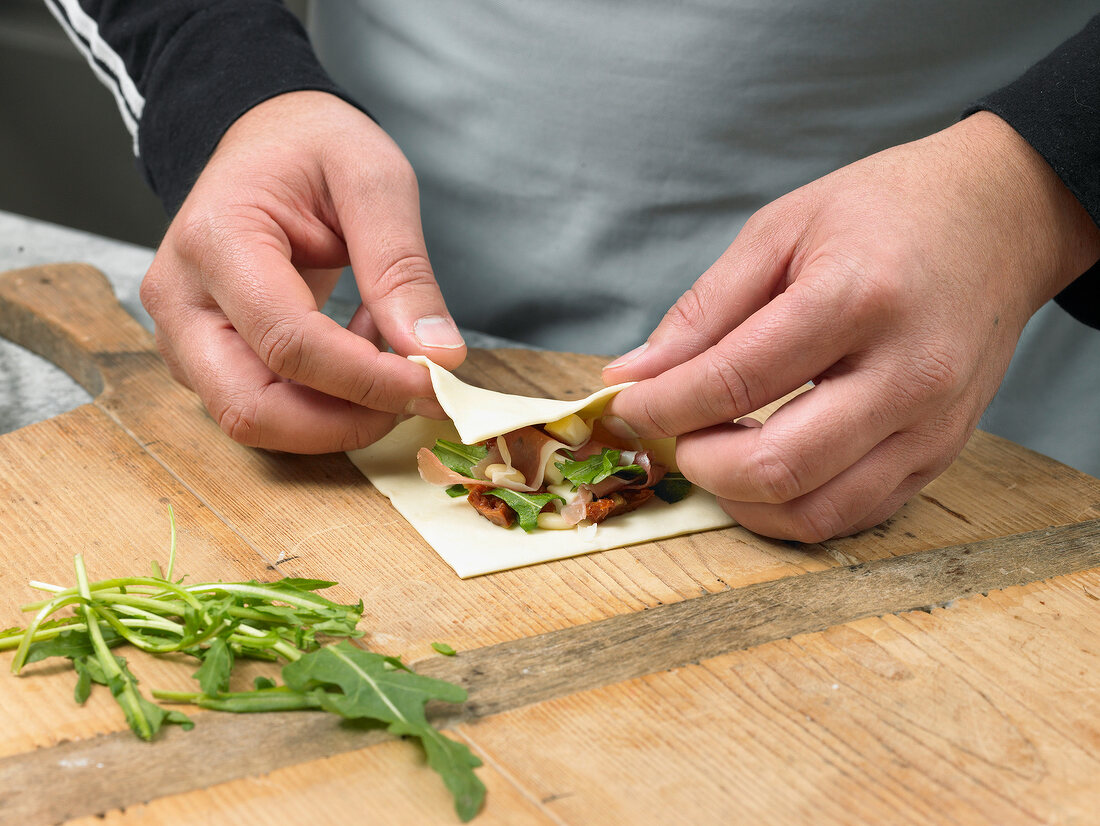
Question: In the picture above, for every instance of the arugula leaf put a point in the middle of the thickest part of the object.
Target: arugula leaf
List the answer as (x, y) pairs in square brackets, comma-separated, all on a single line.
[(444, 649), (673, 487), (72, 644), (144, 716), (596, 468), (455, 491), (217, 664), (527, 506), (459, 457), (358, 684), (87, 672), (221, 622), (10, 637)]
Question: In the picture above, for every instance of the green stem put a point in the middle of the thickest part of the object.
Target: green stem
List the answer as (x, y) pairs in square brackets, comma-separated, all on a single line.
[(300, 600), (172, 542), (279, 698), (246, 634), (126, 693), (50, 607)]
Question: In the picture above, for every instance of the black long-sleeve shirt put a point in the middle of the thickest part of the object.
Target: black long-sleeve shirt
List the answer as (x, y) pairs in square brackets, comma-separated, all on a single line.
[(1055, 106), (183, 71)]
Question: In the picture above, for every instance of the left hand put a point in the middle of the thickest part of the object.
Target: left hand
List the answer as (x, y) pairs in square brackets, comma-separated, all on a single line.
[(899, 285)]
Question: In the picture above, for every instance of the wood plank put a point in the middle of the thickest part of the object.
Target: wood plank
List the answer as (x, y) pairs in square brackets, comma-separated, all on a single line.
[(97, 475), (878, 721), (513, 674), (984, 712), (385, 784), (77, 483), (315, 516)]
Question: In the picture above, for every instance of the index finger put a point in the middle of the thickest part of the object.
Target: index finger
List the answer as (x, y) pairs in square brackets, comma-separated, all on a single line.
[(274, 311), (794, 338)]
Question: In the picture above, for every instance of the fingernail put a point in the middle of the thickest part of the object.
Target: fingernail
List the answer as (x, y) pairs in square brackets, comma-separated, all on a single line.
[(425, 407), (618, 427), (626, 358), (437, 331)]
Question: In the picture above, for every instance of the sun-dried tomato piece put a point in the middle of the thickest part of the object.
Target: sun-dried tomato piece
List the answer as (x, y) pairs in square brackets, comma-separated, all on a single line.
[(494, 509), (628, 500), (622, 501)]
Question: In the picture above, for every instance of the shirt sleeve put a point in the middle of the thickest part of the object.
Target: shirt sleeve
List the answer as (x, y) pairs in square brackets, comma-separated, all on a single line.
[(1055, 106), (182, 71)]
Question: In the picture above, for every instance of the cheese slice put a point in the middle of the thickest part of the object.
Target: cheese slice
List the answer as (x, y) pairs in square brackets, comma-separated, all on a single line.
[(479, 414), (465, 540)]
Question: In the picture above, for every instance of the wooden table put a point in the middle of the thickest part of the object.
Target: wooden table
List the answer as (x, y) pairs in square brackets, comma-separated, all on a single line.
[(942, 668)]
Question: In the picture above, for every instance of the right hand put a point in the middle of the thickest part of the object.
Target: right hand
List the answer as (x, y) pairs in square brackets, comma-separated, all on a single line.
[(299, 187)]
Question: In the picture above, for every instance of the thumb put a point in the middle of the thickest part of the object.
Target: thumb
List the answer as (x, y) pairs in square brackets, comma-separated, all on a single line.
[(746, 276), (395, 279)]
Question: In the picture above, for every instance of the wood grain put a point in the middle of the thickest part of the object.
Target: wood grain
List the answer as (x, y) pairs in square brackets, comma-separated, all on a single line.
[(980, 709), (551, 665), (979, 714)]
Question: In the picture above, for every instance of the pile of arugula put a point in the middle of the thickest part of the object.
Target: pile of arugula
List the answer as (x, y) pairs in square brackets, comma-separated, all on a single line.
[(591, 471), (220, 622)]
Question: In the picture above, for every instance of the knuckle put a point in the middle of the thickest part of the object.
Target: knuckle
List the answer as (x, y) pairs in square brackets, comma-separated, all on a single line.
[(365, 390), (653, 420), (690, 310), (359, 434), (922, 375), (196, 234), (406, 272), (932, 372), (388, 171), (401, 173), (152, 291), (816, 521), (238, 417), (281, 346), (775, 478), (728, 388), (771, 219)]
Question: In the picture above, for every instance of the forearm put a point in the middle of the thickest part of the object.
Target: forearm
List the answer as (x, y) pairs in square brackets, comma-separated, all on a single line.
[(182, 71)]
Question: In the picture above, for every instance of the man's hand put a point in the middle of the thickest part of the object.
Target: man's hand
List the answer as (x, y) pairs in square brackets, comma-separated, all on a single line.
[(299, 187), (899, 285)]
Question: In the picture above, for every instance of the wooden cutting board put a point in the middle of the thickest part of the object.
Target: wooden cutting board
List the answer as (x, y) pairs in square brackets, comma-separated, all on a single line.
[(942, 668)]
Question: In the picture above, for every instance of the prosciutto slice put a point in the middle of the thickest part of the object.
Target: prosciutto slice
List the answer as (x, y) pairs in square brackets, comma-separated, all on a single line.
[(434, 472), (643, 458), (528, 450)]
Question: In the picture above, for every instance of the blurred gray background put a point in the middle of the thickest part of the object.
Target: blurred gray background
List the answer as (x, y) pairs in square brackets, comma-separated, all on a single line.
[(67, 156)]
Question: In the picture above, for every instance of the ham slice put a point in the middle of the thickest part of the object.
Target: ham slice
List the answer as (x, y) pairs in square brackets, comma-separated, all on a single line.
[(576, 510), (434, 472), (643, 458), (528, 450)]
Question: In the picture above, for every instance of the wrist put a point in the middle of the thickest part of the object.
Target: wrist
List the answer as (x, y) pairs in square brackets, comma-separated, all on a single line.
[(1054, 237)]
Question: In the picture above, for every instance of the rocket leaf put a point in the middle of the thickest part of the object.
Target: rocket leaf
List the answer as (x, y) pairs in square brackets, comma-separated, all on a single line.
[(361, 684), (527, 506), (673, 487), (217, 664), (459, 457), (596, 468)]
